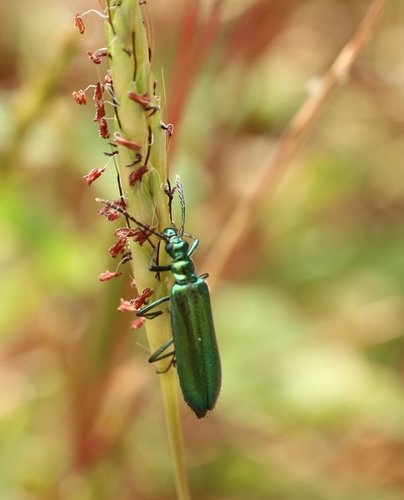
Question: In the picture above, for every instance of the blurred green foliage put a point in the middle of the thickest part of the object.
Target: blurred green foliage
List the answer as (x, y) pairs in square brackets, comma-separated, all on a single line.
[(310, 308)]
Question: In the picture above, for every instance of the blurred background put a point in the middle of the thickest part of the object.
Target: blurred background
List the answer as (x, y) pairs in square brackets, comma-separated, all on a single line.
[(309, 309)]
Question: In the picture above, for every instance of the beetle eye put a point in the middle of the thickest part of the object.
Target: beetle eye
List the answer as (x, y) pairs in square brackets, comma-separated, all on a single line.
[(169, 247)]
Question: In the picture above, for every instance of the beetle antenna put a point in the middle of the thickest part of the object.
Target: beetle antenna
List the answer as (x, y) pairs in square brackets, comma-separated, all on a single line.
[(180, 191), (122, 211)]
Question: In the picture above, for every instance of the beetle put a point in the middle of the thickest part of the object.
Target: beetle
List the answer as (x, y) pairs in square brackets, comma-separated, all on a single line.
[(195, 353)]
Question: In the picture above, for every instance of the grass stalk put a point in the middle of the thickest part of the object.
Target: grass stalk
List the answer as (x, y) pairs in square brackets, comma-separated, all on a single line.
[(142, 144)]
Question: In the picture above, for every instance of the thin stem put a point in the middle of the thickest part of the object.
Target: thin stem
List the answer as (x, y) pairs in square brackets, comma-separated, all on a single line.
[(141, 161), (169, 389), (192, 53)]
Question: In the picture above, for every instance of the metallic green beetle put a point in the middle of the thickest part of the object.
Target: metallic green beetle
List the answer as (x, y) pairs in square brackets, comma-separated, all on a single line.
[(195, 352)]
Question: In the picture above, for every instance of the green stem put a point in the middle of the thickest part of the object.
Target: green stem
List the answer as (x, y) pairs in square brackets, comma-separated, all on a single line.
[(169, 389), (138, 120)]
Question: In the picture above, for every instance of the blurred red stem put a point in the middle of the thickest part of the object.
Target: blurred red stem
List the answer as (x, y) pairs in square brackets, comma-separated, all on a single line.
[(289, 144), (191, 54)]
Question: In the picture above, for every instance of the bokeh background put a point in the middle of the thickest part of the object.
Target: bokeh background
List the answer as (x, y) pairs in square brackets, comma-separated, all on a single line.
[(309, 309)]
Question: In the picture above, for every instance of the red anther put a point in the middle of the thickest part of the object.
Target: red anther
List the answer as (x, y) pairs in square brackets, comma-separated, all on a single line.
[(119, 247), (107, 80), (126, 142), (95, 58), (127, 306), (98, 92), (78, 23), (139, 302), (80, 97), (143, 100), (142, 235), (138, 323), (136, 175), (126, 232), (121, 203), (108, 275), (100, 111), (93, 175), (103, 131), (110, 213)]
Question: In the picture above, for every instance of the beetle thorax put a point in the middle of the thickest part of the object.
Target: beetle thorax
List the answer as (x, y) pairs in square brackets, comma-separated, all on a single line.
[(183, 270), (182, 266)]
